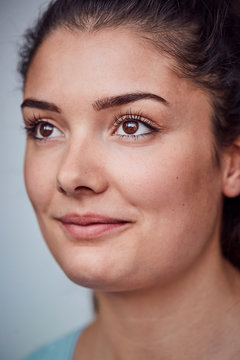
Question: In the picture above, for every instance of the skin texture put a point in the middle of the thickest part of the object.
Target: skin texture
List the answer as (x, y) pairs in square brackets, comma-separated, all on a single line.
[(166, 185)]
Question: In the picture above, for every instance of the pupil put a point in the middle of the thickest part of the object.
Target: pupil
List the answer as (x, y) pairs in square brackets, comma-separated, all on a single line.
[(130, 127), (46, 130)]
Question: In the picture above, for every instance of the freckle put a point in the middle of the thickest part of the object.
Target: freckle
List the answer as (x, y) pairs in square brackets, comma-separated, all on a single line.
[(183, 204), (177, 177)]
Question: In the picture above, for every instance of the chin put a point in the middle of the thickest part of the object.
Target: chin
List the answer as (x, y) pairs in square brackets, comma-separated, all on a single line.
[(97, 274)]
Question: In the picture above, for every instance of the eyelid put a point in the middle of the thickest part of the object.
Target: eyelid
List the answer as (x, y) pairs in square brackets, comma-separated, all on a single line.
[(31, 127), (137, 116), (35, 120)]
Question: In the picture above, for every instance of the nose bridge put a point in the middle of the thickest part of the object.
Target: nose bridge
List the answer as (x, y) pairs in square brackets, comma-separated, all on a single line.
[(79, 151), (81, 166)]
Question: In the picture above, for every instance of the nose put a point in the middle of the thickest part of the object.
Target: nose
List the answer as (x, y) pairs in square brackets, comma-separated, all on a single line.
[(81, 170)]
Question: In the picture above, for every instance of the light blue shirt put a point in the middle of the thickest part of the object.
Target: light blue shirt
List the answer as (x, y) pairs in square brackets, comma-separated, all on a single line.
[(61, 349)]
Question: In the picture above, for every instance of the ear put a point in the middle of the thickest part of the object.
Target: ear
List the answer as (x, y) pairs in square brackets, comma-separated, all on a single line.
[(231, 180)]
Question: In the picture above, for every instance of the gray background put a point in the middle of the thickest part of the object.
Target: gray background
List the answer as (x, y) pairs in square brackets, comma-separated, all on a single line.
[(37, 302)]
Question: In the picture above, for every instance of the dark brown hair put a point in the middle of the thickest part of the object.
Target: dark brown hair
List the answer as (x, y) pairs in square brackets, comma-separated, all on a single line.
[(202, 35)]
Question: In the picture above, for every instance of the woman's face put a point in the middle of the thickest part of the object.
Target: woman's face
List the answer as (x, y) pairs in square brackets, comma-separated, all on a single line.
[(120, 165)]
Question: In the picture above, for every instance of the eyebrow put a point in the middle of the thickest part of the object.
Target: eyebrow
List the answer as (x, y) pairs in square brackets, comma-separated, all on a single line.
[(43, 105), (99, 104), (108, 102)]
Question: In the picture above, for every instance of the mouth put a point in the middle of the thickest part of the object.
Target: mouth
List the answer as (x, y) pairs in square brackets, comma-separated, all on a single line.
[(90, 226)]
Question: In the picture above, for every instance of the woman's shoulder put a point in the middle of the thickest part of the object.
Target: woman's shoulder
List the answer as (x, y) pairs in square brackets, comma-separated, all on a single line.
[(60, 349)]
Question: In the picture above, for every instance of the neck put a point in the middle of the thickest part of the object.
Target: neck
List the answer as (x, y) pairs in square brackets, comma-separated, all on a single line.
[(194, 317), (165, 322)]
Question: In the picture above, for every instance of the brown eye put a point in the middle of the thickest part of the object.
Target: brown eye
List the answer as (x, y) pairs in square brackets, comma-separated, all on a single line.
[(130, 127), (45, 130), (133, 127)]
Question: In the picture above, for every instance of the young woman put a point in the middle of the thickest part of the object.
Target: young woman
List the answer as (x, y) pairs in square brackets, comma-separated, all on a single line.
[(132, 112)]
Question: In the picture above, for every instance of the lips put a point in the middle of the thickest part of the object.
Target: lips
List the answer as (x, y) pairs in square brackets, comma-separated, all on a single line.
[(89, 226)]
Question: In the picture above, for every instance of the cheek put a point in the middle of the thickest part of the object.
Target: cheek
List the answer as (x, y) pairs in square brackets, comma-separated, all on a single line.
[(39, 175), (178, 195), (170, 177)]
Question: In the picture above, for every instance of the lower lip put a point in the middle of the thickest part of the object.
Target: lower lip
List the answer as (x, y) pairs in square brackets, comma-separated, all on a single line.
[(84, 232)]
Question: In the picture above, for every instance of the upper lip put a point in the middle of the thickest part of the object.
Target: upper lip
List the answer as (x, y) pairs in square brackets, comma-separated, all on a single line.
[(87, 219)]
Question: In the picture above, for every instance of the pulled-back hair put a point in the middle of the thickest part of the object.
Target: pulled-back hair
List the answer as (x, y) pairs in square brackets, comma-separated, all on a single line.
[(203, 36)]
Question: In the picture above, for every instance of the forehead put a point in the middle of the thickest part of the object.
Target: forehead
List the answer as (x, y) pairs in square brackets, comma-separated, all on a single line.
[(108, 55), (72, 68)]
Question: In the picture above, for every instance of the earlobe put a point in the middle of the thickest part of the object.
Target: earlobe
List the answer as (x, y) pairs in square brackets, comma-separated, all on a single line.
[(231, 181)]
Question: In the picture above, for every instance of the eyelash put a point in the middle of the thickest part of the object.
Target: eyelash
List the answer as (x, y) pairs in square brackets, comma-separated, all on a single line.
[(134, 116), (32, 124)]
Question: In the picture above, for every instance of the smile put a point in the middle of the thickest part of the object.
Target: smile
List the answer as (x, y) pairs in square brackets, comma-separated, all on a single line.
[(90, 226)]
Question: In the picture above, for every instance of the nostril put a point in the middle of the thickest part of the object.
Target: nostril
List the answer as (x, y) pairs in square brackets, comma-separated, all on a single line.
[(74, 179), (60, 188), (78, 188)]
